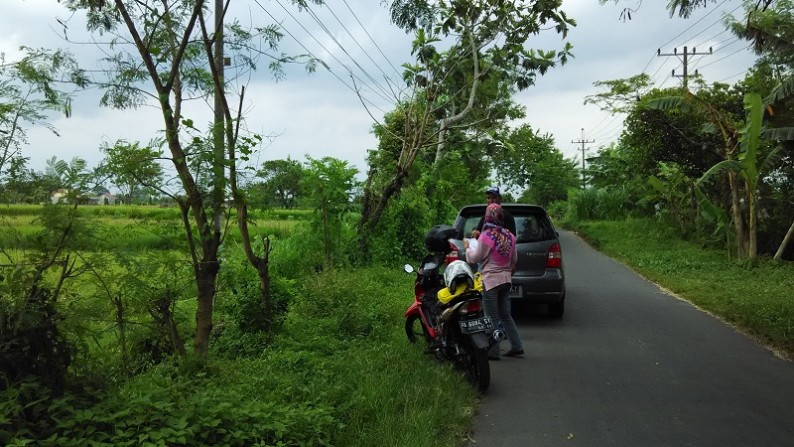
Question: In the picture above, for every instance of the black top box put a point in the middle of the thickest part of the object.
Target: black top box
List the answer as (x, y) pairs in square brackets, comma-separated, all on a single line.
[(437, 238)]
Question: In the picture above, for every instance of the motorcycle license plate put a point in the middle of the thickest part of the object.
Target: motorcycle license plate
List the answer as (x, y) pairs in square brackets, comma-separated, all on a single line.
[(478, 325)]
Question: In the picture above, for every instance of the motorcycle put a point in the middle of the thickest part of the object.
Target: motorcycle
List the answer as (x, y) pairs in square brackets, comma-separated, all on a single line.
[(447, 313)]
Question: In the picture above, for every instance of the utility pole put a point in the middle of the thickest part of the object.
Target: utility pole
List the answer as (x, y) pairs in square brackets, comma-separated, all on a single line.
[(582, 141), (685, 61)]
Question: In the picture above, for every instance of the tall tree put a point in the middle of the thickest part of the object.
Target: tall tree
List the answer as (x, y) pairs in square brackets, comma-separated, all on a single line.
[(176, 57), (130, 166), (483, 40), (529, 160), (281, 181)]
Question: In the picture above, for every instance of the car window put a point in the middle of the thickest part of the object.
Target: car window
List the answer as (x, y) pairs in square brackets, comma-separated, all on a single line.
[(470, 224), (529, 228), (533, 228)]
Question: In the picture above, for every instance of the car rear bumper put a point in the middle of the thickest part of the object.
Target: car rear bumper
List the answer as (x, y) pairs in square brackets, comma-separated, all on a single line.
[(548, 288)]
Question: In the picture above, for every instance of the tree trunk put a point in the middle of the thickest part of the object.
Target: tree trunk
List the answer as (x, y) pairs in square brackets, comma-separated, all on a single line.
[(206, 275), (752, 247), (738, 221), (786, 240)]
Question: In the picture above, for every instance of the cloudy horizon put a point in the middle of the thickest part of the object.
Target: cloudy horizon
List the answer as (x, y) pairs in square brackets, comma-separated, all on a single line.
[(320, 114)]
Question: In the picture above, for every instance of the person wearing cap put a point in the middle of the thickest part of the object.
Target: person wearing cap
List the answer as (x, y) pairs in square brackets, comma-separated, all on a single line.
[(492, 195)]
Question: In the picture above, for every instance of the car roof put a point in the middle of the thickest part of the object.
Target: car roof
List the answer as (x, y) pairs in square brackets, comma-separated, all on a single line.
[(513, 208)]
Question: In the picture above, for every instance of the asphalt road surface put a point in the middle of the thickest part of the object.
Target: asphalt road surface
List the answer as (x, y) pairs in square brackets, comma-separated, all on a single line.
[(629, 365)]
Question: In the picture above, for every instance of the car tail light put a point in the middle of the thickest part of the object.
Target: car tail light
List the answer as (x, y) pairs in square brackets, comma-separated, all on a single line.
[(471, 307), (555, 257), (453, 254)]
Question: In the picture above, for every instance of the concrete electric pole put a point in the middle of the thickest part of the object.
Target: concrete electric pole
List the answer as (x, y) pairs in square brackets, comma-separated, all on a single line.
[(686, 55), (582, 141)]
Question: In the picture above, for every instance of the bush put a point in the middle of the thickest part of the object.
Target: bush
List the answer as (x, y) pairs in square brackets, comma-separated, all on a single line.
[(243, 327), (348, 311), (171, 408)]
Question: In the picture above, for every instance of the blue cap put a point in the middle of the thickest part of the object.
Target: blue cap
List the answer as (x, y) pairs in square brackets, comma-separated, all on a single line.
[(493, 190)]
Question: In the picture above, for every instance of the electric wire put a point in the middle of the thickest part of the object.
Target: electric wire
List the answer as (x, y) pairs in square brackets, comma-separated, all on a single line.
[(747, 47), (344, 50), (327, 67), (692, 25), (371, 39), (733, 76), (349, 71), (385, 76)]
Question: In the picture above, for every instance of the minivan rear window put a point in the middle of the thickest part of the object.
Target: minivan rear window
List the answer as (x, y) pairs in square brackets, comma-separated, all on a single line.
[(533, 228), (529, 228)]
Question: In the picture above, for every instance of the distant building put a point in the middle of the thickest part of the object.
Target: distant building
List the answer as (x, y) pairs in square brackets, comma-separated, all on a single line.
[(102, 199), (59, 196), (62, 196)]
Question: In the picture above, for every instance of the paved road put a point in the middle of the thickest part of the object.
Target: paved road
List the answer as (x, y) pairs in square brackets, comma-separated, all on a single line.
[(630, 366)]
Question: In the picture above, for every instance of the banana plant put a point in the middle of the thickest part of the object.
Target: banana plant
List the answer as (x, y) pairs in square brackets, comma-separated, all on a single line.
[(751, 164), (719, 121)]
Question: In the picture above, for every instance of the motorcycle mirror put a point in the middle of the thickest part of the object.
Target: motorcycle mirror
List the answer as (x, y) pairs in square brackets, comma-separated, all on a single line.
[(408, 268)]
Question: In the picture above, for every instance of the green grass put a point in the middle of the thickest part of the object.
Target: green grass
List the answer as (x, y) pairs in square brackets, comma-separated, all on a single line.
[(136, 228), (340, 373), (756, 297)]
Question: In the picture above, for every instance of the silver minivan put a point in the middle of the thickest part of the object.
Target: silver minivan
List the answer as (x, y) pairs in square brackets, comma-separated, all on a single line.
[(539, 277)]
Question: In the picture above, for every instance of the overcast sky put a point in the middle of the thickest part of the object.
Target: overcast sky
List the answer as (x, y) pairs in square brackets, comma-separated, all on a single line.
[(320, 114)]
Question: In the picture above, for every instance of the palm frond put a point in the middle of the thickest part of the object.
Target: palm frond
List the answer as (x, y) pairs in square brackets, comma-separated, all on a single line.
[(764, 41), (670, 103), (712, 212), (725, 165), (783, 90), (751, 134), (778, 133), (771, 160)]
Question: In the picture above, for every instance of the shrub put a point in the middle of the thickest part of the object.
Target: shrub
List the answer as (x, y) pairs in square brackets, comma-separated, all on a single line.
[(243, 326)]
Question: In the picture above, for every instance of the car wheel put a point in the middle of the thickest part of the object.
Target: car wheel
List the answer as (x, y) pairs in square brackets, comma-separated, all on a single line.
[(556, 310)]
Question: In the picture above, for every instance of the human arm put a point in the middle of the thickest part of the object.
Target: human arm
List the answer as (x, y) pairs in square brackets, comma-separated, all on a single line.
[(477, 254), (514, 257)]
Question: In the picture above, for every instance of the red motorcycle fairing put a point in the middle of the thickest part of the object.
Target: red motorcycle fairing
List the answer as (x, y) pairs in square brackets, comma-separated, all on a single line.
[(416, 309)]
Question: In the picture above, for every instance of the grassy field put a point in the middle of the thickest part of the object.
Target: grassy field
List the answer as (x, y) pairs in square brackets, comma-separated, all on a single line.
[(757, 298), (340, 372), (135, 228)]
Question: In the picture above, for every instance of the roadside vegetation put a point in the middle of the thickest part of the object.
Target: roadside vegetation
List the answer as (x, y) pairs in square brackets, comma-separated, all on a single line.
[(335, 369), (231, 304)]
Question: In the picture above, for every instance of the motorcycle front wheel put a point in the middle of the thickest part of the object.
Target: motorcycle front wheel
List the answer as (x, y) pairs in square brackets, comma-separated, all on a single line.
[(415, 329)]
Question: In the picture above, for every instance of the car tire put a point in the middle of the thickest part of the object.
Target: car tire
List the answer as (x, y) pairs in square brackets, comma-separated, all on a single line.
[(557, 310)]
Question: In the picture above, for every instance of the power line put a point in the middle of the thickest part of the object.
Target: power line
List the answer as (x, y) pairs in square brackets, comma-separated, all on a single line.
[(608, 115), (692, 25), (725, 57), (686, 54), (344, 50), (371, 39), (327, 67), (733, 76)]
